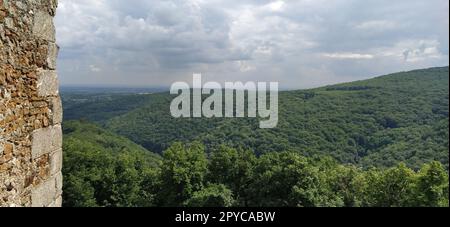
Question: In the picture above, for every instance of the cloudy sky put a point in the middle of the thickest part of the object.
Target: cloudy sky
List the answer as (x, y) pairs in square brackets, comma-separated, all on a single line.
[(300, 43)]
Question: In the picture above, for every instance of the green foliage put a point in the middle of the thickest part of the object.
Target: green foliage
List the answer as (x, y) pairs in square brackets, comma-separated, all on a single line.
[(182, 173), (343, 185), (389, 188), (214, 195), (374, 143), (432, 186), (234, 169), (379, 122), (103, 169), (285, 179)]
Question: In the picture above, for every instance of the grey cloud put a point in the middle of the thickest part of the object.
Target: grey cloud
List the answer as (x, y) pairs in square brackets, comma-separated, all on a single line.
[(301, 43)]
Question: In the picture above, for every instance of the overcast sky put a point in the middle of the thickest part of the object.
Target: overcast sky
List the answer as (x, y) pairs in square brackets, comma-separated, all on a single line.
[(300, 43)]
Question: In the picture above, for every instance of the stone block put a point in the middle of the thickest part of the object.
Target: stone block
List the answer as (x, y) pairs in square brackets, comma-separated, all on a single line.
[(57, 202), (59, 183), (52, 55), (46, 140), (56, 110), (57, 137), (56, 159), (9, 23), (44, 194), (48, 84), (43, 27)]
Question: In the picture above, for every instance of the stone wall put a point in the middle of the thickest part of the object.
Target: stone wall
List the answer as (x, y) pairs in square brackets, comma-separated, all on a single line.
[(30, 107)]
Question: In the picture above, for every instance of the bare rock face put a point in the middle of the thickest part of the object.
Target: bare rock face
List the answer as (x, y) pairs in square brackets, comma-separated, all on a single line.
[(30, 107)]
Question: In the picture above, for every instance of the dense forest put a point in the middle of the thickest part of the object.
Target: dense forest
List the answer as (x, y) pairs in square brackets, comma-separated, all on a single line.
[(381, 142), (380, 122), (103, 169)]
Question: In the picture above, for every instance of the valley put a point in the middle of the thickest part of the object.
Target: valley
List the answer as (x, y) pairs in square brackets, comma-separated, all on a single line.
[(379, 122)]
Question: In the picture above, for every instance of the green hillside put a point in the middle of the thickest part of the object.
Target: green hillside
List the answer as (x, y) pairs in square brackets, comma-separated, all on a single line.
[(104, 169), (91, 135), (401, 117), (382, 122)]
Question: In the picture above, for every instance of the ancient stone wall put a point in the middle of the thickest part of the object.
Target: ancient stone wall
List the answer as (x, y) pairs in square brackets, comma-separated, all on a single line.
[(30, 107)]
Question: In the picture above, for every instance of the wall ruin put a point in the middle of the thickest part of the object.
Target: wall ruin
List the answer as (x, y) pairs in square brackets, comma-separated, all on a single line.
[(30, 107)]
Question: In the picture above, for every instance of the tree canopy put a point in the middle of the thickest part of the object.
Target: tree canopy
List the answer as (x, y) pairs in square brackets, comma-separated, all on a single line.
[(186, 175)]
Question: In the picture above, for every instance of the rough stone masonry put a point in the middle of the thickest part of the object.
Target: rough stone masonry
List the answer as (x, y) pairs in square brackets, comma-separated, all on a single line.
[(30, 107)]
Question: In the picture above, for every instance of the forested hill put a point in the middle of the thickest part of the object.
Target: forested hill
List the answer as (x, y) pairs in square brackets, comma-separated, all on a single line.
[(104, 169), (376, 122), (83, 136)]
